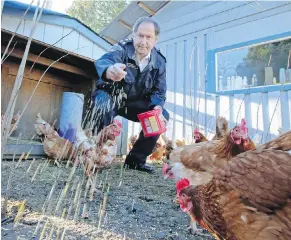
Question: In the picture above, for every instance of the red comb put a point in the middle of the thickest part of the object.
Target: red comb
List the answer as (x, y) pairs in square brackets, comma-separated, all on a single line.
[(118, 123), (182, 183), (196, 131)]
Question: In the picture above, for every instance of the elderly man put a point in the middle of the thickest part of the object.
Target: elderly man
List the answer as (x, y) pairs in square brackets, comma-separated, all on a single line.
[(132, 79)]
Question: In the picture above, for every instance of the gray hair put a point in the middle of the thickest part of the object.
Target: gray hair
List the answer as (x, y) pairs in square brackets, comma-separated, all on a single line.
[(147, 20)]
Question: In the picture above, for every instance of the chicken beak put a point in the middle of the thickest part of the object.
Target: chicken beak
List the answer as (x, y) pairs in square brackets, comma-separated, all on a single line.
[(176, 200)]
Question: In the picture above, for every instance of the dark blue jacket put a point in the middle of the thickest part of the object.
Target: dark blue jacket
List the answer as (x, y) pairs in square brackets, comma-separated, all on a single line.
[(144, 89)]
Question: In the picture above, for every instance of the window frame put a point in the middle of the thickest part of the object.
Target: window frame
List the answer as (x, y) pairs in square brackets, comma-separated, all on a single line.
[(212, 67)]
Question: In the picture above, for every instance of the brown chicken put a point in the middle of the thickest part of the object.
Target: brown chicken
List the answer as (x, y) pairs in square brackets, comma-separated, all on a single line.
[(57, 148), (221, 128), (132, 140), (204, 156), (249, 197), (159, 150), (199, 137), (108, 133), (210, 153), (98, 152), (180, 143), (220, 132), (14, 121), (42, 128), (169, 149)]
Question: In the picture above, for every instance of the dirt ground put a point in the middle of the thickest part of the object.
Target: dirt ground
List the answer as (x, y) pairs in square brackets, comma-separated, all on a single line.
[(127, 204)]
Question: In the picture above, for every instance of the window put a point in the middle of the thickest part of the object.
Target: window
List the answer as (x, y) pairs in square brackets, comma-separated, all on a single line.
[(254, 66)]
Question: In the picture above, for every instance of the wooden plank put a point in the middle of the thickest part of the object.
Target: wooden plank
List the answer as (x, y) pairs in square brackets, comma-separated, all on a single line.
[(205, 40), (110, 40), (47, 62), (285, 114), (124, 137), (52, 33), (248, 116), (46, 100), (230, 13), (194, 76), (36, 74), (184, 87), (266, 116), (146, 8), (125, 24), (217, 106), (175, 87), (85, 47), (231, 111)]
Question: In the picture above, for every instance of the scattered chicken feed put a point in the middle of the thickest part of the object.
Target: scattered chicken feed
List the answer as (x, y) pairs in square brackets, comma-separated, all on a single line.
[(43, 203)]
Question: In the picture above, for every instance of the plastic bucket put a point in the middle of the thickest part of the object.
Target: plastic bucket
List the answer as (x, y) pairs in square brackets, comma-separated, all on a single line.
[(71, 115), (151, 123)]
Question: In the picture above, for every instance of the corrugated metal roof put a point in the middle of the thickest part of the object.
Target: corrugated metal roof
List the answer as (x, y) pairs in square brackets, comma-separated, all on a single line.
[(116, 30)]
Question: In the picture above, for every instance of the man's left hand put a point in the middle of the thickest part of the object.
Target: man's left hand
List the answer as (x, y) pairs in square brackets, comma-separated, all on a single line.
[(161, 116)]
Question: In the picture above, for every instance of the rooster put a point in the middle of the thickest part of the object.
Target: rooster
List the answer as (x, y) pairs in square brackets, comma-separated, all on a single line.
[(249, 197)]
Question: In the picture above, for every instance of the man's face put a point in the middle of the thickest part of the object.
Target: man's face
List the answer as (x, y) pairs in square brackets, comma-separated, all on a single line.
[(144, 39)]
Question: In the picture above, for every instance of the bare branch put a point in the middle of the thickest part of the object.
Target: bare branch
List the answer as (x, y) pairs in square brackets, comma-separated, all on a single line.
[(9, 52), (49, 48), (11, 104)]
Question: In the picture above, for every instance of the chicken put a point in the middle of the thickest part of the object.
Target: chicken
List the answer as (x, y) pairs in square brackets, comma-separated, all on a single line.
[(221, 131), (57, 148), (132, 140), (14, 121), (98, 151), (54, 146), (170, 146), (108, 133), (216, 152), (247, 198), (180, 143), (159, 150), (169, 149), (221, 128), (199, 137), (205, 156), (42, 128), (109, 152)]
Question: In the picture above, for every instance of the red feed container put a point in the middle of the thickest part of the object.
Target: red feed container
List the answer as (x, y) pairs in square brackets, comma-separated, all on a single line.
[(151, 123)]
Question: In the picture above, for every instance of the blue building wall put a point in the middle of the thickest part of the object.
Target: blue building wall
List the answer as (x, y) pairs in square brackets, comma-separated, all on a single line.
[(192, 34)]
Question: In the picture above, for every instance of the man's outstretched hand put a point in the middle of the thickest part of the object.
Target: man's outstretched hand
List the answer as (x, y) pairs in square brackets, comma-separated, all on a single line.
[(116, 72)]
